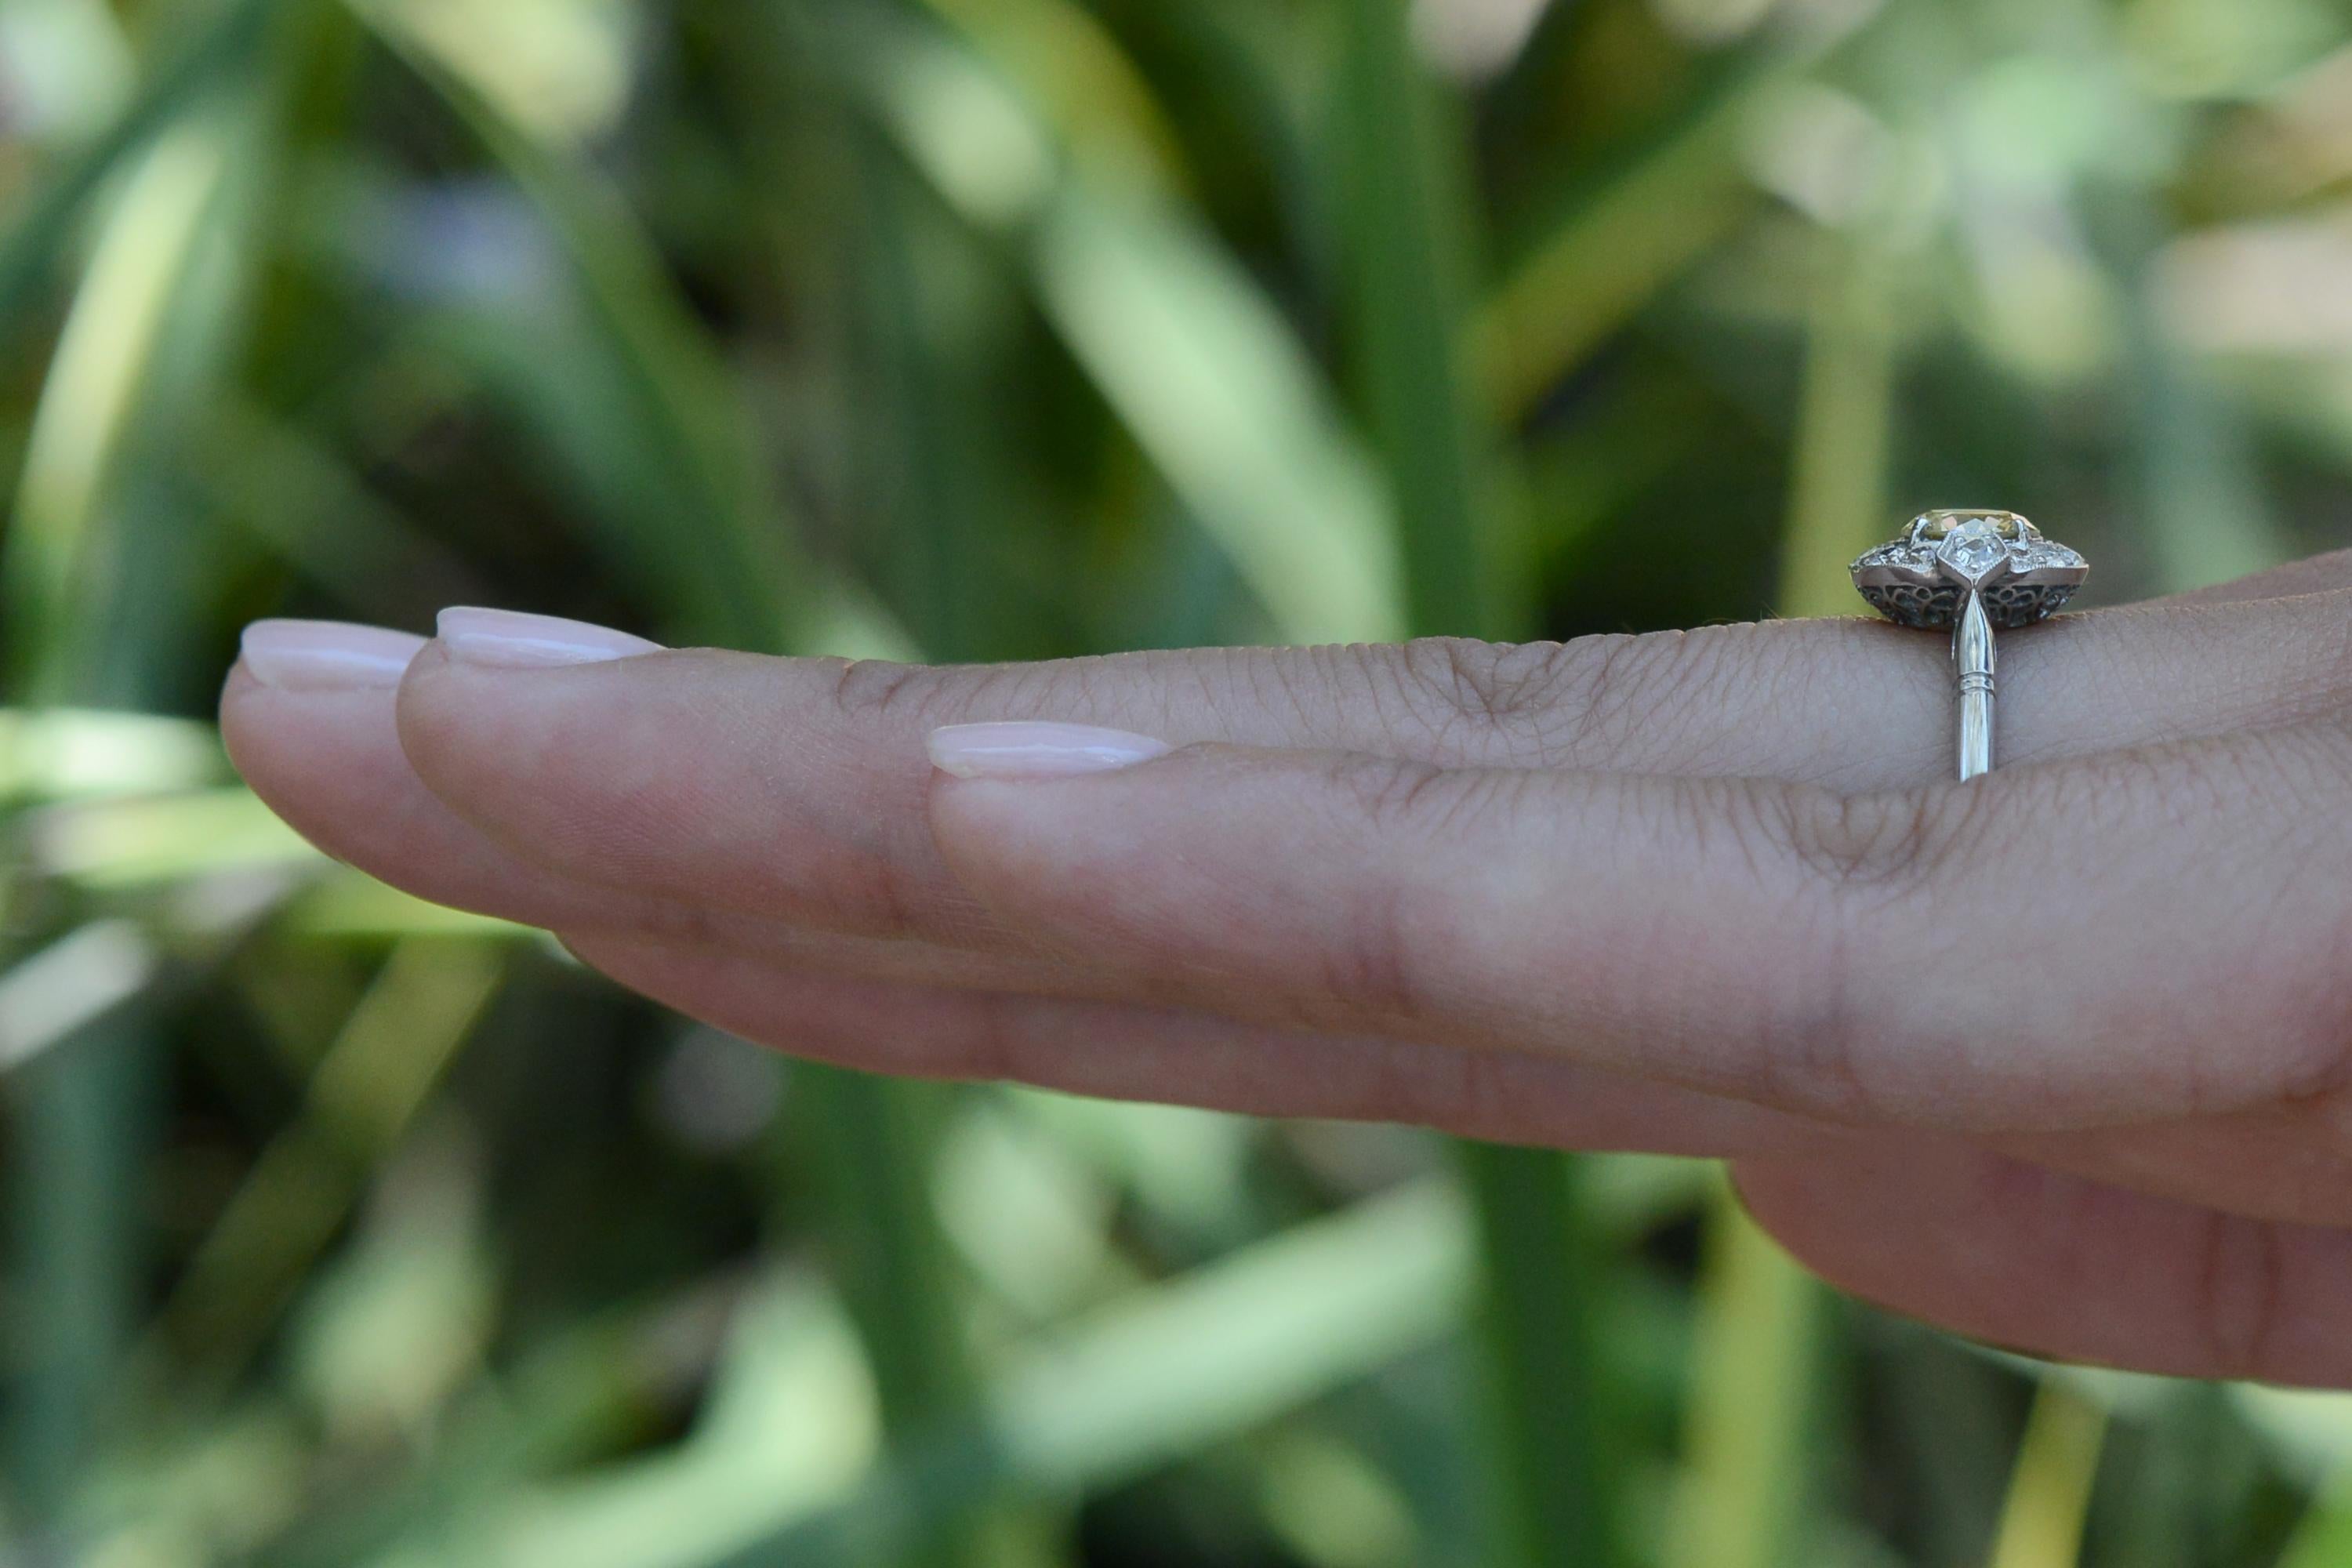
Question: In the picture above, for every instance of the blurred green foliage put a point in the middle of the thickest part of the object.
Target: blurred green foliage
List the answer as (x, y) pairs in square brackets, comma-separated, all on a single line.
[(345, 1230)]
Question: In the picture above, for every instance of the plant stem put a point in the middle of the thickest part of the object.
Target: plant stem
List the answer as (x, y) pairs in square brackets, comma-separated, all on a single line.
[(1406, 238), (2050, 1490)]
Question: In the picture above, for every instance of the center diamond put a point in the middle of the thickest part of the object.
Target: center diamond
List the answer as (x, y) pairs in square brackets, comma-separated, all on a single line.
[(1973, 549)]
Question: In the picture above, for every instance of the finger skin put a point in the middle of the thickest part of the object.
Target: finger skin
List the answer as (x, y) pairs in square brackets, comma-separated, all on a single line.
[(795, 788), (2315, 575), (2018, 953), (845, 857), (2007, 1252), (330, 763), (1173, 1057), (2290, 1162), (885, 1006)]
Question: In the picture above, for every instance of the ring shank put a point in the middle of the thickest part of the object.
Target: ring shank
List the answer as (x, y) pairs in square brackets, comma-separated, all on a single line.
[(1972, 663)]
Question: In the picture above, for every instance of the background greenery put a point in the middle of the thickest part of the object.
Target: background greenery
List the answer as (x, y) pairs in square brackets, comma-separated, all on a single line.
[(344, 1230)]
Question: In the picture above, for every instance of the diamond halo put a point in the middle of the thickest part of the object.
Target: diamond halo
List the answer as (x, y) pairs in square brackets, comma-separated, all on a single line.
[(1920, 577)]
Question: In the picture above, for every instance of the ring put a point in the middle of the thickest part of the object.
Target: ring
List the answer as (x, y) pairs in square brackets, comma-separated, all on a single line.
[(1972, 571)]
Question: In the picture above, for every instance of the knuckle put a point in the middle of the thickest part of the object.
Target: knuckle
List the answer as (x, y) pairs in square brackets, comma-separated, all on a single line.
[(1377, 960), (867, 688), (1543, 702), (1387, 799), (1592, 702), (1455, 680), (1854, 857), (1889, 842), (1384, 793)]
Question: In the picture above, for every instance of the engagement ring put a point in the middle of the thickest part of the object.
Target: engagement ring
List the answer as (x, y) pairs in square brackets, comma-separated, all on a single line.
[(1973, 570)]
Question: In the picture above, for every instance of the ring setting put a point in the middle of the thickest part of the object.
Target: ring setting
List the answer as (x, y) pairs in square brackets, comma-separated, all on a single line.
[(1972, 571)]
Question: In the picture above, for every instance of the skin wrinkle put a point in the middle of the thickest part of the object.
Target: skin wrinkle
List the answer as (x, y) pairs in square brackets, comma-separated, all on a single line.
[(1530, 673), (1216, 678), (2328, 1076), (1439, 673), (2327, 689), (1704, 676), (1474, 682), (2238, 1293), (1370, 967), (1213, 1053), (1389, 698), (1293, 691), (865, 688), (1809, 1055), (1602, 714), (1801, 1010)]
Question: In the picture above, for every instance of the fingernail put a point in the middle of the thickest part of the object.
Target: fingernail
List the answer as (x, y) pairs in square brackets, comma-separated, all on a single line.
[(326, 655), (1035, 750), (516, 639)]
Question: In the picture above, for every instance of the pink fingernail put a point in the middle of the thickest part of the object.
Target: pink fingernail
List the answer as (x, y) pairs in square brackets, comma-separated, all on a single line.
[(1036, 750), (326, 655), (515, 639)]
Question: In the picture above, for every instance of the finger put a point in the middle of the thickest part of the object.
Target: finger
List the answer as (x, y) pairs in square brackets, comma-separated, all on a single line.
[(795, 788), (327, 757), (1174, 1057), (329, 761), (2124, 938), (2290, 1162), (2316, 575), (2004, 1251), (805, 994)]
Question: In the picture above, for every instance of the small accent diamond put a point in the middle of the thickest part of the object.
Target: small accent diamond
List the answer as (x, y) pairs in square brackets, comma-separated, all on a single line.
[(1973, 549), (2040, 554)]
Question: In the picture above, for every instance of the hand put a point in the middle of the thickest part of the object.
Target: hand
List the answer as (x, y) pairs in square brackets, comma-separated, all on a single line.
[(2062, 1058)]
